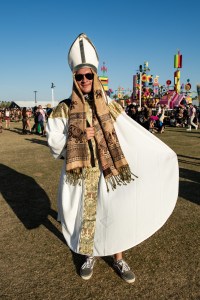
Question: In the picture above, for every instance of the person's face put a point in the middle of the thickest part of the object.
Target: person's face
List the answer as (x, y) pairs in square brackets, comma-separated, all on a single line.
[(83, 82)]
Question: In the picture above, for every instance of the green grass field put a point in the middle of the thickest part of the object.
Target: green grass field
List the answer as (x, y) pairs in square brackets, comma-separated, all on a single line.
[(35, 260)]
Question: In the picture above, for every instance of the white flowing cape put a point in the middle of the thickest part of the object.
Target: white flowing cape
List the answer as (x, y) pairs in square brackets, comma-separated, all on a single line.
[(131, 213)]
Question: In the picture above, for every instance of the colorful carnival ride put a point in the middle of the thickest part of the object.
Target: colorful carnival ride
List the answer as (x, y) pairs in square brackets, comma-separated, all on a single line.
[(146, 88)]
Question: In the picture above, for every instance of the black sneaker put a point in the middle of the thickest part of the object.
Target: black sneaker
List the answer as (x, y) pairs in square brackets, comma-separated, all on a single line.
[(86, 270), (124, 270)]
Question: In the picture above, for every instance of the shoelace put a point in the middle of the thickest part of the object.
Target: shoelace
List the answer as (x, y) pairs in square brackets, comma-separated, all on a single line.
[(124, 265), (88, 263)]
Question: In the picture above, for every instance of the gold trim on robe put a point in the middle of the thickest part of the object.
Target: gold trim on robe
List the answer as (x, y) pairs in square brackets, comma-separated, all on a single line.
[(86, 242), (61, 111), (115, 109), (91, 184)]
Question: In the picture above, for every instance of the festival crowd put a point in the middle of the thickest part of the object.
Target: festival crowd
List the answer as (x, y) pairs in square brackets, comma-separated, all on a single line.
[(153, 119), (33, 119)]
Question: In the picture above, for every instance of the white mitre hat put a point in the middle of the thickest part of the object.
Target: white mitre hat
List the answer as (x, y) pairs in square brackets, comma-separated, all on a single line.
[(82, 53)]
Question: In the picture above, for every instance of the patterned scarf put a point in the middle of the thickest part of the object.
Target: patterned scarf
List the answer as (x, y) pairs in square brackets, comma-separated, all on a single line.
[(114, 165)]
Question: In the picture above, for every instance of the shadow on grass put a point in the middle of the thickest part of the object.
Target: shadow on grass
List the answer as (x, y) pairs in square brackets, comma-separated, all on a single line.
[(15, 130), (190, 157), (190, 190), (190, 175), (31, 204), (32, 139), (184, 161), (188, 160), (28, 200), (38, 141), (78, 260)]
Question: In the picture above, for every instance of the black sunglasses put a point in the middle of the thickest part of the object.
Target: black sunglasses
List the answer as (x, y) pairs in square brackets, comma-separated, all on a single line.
[(80, 77)]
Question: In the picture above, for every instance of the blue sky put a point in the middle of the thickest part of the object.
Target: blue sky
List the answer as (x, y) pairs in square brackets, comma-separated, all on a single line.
[(36, 36)]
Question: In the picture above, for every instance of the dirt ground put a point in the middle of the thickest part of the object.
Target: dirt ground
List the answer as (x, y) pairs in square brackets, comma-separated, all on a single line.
[(35, 262)]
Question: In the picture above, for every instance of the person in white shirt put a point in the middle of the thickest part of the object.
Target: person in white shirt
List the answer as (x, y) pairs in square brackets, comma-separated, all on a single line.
[(192, 115), (7, 117)]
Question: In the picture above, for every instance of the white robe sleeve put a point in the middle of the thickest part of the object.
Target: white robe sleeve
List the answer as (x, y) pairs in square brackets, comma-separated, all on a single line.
[(56, 129)]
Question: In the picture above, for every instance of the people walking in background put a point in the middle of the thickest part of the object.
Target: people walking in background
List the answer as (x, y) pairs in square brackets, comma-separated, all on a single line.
[(1, 117), (160, 122), (26, 121), (7, 118), (41, 119), (180, 117), (197, 116), (35, 116), (48, 111), (192, 115)]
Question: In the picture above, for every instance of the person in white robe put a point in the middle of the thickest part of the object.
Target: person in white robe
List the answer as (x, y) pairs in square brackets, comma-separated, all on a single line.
[(119, 183)]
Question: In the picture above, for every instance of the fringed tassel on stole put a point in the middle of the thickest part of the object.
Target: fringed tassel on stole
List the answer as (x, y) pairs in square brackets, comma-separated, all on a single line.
[(75, 177), (123, 178)]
